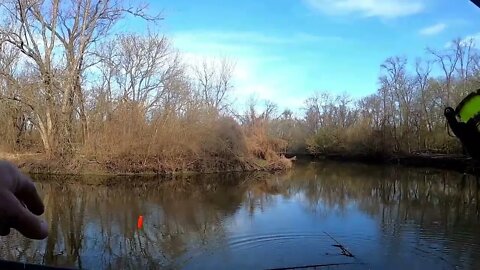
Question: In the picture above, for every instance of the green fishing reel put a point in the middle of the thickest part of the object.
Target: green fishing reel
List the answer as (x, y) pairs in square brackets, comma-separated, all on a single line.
[(469, 108), (464, 121)]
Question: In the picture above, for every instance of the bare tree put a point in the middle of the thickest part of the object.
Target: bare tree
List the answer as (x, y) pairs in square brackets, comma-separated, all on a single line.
[(422, 78), (141, 68), (214, 82), (396, 79), (448, 64), (57, 38)]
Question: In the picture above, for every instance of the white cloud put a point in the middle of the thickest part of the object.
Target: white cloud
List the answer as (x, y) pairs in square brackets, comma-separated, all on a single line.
[(369, 8), (258, 72), (433, 29), (474, 39)]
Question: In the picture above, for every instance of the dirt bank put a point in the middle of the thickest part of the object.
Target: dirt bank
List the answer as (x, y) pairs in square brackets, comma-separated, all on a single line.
[(39, 163)]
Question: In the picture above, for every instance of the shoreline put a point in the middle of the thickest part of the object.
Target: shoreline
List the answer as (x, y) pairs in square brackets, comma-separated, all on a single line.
[(452, 162), (40, 164)]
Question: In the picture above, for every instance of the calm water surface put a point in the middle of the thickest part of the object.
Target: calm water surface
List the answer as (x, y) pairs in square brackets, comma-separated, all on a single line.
[(387, 217)]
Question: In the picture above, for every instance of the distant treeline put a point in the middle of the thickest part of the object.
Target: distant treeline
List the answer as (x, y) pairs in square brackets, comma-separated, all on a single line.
[(73, 89), (404, 116)]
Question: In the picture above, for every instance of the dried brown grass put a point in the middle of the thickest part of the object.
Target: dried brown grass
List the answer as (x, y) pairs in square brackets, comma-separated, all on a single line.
[(199, 141)]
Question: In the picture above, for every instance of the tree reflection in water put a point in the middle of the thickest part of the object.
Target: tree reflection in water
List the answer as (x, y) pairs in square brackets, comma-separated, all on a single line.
[(94, 225)]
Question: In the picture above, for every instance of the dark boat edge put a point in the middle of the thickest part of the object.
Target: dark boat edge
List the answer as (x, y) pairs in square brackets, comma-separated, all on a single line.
[(27, 266)]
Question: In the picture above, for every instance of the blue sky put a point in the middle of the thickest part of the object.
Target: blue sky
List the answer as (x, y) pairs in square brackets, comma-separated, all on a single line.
[(285, 50)]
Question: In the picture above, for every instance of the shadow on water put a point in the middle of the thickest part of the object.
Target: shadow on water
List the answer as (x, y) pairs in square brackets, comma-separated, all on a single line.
[(387, 217)]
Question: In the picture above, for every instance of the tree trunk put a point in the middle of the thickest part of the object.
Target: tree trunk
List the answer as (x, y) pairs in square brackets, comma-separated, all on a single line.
[(81, 105), (46, 137), (65, 137)]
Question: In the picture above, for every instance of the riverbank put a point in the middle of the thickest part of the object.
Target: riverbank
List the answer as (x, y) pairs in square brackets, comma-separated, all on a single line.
[(454, 162), (40, 164)]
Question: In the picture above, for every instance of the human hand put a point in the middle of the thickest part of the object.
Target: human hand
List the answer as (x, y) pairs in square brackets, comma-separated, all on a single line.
[(20, 204)]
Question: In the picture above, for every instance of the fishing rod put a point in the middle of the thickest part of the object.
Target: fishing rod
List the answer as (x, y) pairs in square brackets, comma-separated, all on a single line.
[(476, 2)]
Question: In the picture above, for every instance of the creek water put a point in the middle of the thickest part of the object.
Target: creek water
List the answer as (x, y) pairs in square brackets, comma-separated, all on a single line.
[(332, 215)]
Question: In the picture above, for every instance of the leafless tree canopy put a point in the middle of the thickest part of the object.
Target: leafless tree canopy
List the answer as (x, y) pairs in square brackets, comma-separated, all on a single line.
[(214, 82), (406, 113), (54, 41), (72, 87)]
